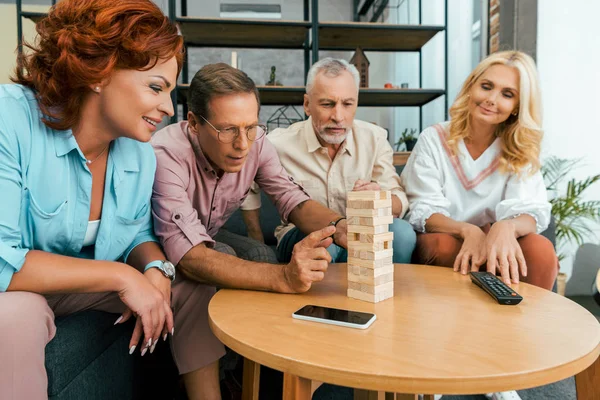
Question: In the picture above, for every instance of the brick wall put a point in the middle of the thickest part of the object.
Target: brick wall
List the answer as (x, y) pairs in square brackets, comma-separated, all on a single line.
[(494, 26)]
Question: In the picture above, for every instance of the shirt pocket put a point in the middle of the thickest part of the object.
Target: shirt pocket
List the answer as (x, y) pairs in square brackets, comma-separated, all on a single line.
[(127, 226), (46, 224)]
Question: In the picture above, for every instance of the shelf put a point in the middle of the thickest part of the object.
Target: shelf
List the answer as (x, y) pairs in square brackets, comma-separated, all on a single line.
[(253, 33), (269, 95), (397, 97), (401, 157), (34, 16), (294, 95), (373, 36)]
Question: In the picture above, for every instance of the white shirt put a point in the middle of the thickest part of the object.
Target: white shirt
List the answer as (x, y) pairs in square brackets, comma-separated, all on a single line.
[(467, 190), (91, 234), (365, 154)]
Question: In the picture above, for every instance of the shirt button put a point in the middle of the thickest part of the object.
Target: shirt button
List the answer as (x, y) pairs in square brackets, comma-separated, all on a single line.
[(214, 208), (206, 169), (177, 216)]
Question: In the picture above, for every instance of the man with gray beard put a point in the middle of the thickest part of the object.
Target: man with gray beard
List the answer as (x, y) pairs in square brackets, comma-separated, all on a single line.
[(331, 154)]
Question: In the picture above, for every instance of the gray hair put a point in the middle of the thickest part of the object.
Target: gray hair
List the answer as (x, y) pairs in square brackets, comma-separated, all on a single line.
[(331, 67)]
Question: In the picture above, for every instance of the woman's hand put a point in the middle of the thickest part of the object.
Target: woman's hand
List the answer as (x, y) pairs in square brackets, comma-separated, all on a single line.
[(504, 252), (163, 284), (472, 254), (144, 300)]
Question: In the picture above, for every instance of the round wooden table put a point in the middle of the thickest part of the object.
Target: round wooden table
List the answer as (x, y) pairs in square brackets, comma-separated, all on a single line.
[(438, 334)]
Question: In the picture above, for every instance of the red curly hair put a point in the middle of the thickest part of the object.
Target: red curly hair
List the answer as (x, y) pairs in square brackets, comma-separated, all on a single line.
[(81, 42)]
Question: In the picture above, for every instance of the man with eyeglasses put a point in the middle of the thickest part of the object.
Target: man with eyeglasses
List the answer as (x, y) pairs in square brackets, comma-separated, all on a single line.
[(205, 167)]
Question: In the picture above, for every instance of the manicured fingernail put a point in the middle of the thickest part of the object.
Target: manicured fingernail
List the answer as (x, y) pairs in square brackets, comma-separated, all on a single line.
[(131, 350), (144, 351), (153, 347), (172, 331), (118, 320), (149, 342), (165, 337)]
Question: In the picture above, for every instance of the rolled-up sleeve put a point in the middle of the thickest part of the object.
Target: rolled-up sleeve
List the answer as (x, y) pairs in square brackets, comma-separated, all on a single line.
[(422, 181), (176, 221), (252, 201), (280, 186), (384, 173), (526, 194), (12, 255)]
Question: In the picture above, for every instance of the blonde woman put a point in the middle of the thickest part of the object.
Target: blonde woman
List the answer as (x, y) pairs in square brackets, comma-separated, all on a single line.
[(476, 193)]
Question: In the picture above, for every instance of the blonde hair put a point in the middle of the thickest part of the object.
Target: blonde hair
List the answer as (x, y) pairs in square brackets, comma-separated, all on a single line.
[(521, 135)]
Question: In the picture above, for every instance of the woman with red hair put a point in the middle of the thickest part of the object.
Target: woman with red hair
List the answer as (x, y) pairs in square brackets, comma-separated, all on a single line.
[(76, 175)]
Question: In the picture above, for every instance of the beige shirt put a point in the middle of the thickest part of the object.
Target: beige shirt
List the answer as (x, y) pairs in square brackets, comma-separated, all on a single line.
[(366, 154)]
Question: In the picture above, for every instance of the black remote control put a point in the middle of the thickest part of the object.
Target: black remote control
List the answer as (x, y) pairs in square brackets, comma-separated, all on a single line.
[(495, 288)]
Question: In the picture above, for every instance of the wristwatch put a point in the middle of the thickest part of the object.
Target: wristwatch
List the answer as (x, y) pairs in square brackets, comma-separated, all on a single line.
[(164, 266), (334, 223)]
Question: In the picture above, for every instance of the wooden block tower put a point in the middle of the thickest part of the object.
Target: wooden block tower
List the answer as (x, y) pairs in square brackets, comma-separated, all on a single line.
[(370, 266)]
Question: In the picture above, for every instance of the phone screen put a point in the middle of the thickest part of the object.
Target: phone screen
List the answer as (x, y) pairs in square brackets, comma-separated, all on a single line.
[(335, 314)]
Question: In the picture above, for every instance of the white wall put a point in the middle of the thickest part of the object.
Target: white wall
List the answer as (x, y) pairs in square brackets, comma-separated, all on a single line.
[(568, 56)]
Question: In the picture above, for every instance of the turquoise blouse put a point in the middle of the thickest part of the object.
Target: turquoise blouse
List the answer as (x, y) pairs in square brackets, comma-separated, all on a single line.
[(45, 190)]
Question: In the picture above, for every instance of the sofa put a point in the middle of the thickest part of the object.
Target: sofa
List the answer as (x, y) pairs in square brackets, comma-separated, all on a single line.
[(89, 359)]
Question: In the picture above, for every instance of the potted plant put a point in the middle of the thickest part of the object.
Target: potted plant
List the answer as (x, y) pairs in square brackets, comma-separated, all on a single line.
[(571, 213), (408, 138)]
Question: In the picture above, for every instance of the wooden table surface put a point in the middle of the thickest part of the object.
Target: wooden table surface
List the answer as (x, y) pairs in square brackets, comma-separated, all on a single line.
[(438, 334)]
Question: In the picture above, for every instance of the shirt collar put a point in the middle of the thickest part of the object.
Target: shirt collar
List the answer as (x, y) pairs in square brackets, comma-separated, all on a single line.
[(120, 151), (64, 143), (313, 144)]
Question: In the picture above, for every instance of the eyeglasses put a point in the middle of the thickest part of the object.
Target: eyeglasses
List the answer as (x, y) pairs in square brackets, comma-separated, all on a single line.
[(230, 134)]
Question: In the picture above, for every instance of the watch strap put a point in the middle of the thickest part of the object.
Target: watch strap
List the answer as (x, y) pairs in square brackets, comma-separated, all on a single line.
[(153, 264)]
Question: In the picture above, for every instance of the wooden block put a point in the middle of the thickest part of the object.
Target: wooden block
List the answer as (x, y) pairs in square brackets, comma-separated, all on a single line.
[(371, 289), (373, 298), (370, 221), (384, 262), (370, 272), (368, 195), (369, 255), (375, 238), (365, 212), (371, 280), (374, 230), (361, 246), (369, 204)]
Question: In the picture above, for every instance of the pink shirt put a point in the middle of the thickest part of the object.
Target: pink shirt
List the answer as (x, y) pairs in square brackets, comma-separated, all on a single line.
[(190, 202)]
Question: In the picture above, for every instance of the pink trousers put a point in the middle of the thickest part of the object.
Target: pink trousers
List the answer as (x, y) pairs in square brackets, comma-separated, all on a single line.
[(542, 264), (27, 325)]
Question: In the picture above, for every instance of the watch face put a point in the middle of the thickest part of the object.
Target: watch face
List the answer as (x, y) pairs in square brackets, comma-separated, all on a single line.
[(169, 268)]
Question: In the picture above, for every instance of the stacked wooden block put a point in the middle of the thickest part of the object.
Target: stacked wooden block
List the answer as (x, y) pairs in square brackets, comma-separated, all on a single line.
[(370, 251)]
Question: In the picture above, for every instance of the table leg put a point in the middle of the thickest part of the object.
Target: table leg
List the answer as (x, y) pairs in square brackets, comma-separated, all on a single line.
[(251, 380), (361, 394), (296, 387), (587, 382)]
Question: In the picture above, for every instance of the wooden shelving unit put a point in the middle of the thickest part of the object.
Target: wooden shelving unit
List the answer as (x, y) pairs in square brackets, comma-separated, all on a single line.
[(294, 95), (308, 36)]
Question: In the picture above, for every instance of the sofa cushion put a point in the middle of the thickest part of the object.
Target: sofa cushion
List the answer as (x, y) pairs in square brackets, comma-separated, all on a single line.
[(80, 339)]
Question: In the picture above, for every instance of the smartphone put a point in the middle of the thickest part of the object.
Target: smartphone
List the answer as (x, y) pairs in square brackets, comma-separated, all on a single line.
[(335, 316)]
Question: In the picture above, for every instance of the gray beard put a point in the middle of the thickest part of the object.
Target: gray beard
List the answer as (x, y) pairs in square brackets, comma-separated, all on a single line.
[(333, 139)]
